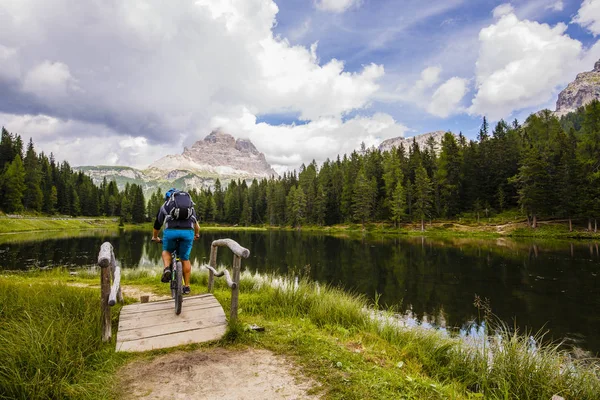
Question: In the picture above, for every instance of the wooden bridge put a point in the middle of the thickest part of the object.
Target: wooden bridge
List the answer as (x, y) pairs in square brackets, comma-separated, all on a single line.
[(148, 326), (154, 325)]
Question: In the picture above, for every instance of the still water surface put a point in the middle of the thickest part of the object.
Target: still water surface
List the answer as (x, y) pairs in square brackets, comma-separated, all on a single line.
[(546, 285)]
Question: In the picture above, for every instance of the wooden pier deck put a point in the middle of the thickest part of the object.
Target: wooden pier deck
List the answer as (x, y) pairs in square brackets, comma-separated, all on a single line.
[(154, 325)]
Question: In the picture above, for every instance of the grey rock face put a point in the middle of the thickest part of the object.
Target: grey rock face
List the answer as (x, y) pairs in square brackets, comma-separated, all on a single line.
[(421, 140), (219, 154), (584, 89)]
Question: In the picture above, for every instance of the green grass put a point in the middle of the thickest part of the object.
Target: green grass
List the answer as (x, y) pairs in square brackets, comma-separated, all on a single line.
[(50, 343), (340, 340), (29, 223)]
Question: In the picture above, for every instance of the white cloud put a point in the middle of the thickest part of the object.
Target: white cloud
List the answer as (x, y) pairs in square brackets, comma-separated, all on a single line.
[(319, 139), (446, 98), (161, 71), (588, 16), (49, 79), (521, 63), (556, 6), (502, 10), (441, 101), (337, 6), (82, 143), (429, 77)]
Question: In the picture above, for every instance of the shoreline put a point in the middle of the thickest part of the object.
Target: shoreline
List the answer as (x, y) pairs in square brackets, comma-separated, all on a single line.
[(548, 229)]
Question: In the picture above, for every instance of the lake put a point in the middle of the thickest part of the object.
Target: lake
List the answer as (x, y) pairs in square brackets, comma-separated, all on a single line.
[(549, 285)]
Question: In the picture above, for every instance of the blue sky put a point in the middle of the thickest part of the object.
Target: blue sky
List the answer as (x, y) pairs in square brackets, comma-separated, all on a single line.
[(125, 83), (407, 36)]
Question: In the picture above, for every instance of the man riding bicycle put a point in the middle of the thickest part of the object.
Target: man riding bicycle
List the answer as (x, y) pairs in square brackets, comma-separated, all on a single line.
[(186, 230)]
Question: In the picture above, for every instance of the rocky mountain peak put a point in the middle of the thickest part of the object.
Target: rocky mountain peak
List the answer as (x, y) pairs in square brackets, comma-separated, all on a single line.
[(584, 89), (421, 140), (218, 136), (219, 153)]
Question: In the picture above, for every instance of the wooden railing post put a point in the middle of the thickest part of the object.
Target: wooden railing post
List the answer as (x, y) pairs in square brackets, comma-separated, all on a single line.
[(105, 260), (213, 264), (237, 263), (109, 295), (234, 283)]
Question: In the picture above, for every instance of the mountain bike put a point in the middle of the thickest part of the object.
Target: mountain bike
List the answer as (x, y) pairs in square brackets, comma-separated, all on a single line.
[(176, 279)]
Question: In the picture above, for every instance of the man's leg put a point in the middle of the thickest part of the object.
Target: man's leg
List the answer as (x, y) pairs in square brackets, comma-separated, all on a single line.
[(187, 271), (166, 256), (185, 247)]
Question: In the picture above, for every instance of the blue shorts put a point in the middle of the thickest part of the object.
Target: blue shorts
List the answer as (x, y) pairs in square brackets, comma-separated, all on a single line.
[(186, 239)]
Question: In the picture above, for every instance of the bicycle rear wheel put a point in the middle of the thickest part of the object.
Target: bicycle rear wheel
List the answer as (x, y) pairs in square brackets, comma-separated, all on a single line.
[(178, 296)]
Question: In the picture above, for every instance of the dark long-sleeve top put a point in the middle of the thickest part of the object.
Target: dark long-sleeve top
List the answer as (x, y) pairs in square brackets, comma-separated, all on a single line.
[(163, 217)]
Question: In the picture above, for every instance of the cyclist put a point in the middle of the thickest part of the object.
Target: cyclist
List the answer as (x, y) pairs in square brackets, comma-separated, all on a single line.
[(186, 230)]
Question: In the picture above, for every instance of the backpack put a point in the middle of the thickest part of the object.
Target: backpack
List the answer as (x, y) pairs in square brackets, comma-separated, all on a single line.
[(182, 204)]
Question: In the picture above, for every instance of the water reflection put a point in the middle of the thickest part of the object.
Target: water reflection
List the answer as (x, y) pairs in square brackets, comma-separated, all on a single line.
[(529, 283)]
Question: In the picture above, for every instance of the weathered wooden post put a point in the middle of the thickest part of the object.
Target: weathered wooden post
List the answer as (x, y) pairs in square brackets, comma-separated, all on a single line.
[(234, 283), (109, 295), (213, 264), (104, 260), (235, 291)]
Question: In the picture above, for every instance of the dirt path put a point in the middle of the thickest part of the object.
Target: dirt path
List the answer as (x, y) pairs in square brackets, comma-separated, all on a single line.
[(127, 291), (214, 374)]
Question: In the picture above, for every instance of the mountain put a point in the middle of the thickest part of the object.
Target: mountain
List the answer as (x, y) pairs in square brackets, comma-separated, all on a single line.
[(584, 89), (421, 140), (219, 155)]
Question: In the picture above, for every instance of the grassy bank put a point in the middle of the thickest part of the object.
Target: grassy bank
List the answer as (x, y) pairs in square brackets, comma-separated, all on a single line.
[(16, 224), (50, 345), (350, 352), (508, 224)]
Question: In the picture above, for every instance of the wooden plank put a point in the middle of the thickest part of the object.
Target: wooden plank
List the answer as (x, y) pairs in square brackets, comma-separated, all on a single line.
[(177, 339), (154, 325), (171, 310), (167, 329), (143, 322), (166, 304)]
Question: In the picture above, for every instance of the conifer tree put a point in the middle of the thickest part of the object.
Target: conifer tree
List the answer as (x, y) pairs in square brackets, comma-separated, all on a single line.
[(423, 195), (14, 186), (363, 197), (34, 198)]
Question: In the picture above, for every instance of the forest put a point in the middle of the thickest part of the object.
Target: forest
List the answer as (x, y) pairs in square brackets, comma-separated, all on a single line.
[(38, 184), (546, 168)]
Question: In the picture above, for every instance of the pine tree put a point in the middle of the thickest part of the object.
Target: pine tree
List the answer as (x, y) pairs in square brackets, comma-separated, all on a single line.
[(534, 183), (423, 195), (138, 208), (246, 216), (363, 197), (398, 204), (449, 175), (34, 198), (14, 186)]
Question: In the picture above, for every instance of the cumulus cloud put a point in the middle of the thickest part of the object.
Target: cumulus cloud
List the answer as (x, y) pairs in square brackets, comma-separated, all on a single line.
[(503, 9), (82, 143), (440, 100), (50, 80), (588, 16), (520, 64), (161, 71), (337, 6), (446, 98)]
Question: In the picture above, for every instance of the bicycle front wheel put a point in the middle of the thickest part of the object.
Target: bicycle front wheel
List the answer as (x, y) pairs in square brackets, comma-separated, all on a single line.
[(178, 288)]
